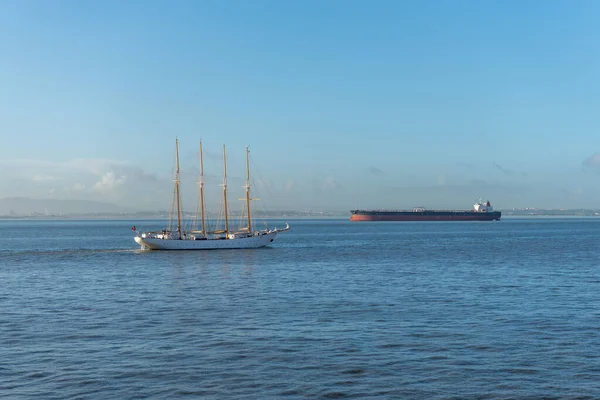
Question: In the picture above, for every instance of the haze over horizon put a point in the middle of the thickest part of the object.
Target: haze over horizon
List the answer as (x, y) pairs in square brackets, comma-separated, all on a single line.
[(344, 104)]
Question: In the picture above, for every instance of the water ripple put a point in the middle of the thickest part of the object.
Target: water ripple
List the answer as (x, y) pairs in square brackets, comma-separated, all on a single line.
[(369, 311)]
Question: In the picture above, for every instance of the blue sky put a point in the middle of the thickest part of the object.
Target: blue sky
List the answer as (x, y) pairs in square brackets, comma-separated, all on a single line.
[(344, 103)]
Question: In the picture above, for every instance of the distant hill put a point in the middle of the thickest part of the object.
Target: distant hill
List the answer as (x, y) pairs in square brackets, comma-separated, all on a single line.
[(23, 206)]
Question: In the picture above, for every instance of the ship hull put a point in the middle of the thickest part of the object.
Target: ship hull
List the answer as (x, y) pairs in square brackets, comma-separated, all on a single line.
[(359, 215), (251, 242)]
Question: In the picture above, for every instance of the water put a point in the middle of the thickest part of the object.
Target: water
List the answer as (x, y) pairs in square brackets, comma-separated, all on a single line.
[(332, 310)]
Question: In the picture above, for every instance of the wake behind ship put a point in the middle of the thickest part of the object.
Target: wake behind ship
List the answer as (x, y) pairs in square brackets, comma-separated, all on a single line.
[(481, 212)]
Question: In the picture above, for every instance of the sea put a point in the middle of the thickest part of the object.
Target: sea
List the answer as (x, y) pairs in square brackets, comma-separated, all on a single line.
[(331, 310)]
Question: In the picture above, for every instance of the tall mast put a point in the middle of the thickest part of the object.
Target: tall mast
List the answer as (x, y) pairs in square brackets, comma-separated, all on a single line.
[(202, 190), (225, 189), (248, 190), (177, 188)]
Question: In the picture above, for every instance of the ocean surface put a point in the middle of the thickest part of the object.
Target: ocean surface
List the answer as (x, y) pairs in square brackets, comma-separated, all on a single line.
[(333, 309)]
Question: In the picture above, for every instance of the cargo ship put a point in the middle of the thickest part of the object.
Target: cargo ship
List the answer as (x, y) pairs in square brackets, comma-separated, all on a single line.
[(482, 211)]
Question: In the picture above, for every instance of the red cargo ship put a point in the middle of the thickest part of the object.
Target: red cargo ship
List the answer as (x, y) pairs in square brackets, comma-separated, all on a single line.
[(481, 212)]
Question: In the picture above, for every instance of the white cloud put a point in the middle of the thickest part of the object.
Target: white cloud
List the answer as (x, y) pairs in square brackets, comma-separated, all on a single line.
[(96, 166), (331, 184), (46, 178), (441, 180), (290, 185), (93, 165), (264, 184), (109, 182), (593, 161), (83, 179)]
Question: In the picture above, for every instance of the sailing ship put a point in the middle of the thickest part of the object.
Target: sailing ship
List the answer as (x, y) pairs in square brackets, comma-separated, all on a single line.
[(178, 239)]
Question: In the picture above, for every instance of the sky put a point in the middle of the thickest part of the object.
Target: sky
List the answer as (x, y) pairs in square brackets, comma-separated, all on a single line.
[(344, 104)]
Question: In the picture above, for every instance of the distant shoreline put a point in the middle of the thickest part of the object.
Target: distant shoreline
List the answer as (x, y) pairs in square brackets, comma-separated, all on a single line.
[(114, 217), (270, 217)]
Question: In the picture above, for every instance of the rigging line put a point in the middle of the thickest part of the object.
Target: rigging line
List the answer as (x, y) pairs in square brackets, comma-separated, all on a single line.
[(258, 175), (174, 195), (257, 188)]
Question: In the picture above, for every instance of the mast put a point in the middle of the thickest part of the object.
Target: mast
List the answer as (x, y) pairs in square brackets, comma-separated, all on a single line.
[(248, 190), (202, 190), (177, 188), (225, 189)]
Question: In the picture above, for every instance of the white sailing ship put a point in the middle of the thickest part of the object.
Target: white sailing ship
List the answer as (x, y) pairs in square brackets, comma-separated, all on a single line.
[(202, 239)]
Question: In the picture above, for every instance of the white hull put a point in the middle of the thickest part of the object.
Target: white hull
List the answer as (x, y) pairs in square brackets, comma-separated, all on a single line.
[(251, 242)]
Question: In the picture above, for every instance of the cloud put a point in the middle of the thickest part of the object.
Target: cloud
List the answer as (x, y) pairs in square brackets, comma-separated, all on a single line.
[(134, 173), (452, 195), (95, 166), (330, 184), (509, 172), (46, 178), (375, 171), (109, 181), (82, 179), (592, 162), (265, 184), (466, 165), (290, 185), (51, 171), (441, 180)]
